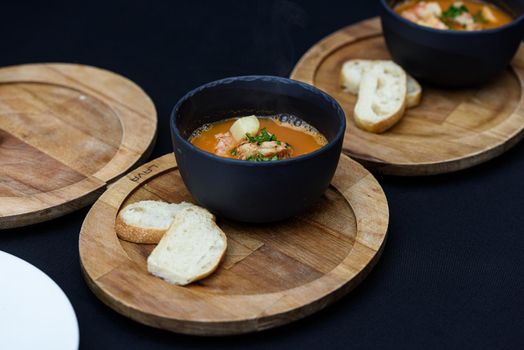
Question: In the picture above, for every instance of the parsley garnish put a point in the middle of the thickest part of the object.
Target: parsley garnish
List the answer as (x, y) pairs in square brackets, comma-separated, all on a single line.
[(262, 136), (233, 152), (259, 157), (479, 18), (454, 11)]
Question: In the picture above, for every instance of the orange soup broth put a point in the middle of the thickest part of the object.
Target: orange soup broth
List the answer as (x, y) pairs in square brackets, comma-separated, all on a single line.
[(473, 6), (301, 140)]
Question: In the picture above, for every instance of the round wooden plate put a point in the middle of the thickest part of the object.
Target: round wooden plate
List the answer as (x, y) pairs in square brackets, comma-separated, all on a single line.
[(66, 130), (450, 130), (271, 275)]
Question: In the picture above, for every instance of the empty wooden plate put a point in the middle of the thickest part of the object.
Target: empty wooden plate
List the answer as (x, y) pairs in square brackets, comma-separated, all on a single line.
[(450, 130), (271, 275), (66, 131)]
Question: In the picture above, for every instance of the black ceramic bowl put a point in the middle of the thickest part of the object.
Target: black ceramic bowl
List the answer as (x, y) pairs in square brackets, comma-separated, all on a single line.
[(262, 191), (451, 58)]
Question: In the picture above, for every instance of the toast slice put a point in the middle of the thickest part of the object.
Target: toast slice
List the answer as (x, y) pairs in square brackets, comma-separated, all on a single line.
[(381, 97), (353, 71), (147, 221), (191, 249)]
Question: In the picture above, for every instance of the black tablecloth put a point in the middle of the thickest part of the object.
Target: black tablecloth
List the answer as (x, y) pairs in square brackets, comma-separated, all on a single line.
[(452, 272)]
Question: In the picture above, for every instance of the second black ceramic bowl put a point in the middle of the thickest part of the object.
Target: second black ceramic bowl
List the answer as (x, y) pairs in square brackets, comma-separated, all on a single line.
[(262, 191), (451, 58)]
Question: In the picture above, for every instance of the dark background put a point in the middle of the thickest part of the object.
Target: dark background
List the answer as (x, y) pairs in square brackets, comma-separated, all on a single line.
[(452, 272)]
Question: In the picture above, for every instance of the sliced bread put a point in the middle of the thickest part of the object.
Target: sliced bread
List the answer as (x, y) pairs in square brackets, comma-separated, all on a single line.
[(381, 97), (147, 221), (351, 74), (191, 249), (353, 71), (414, 92)]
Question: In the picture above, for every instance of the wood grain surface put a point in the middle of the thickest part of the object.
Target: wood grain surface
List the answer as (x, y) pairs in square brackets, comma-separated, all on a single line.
[(449, 131), (271, 275), (66, 131)]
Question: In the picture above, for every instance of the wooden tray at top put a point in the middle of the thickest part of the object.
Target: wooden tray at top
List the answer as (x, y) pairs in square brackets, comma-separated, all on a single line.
[(450, 130), (271, 275), (66, 130)]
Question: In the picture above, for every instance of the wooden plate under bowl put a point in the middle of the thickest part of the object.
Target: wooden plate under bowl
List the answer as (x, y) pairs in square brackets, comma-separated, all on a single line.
[(450, 130), (66, 130), (271, 275)]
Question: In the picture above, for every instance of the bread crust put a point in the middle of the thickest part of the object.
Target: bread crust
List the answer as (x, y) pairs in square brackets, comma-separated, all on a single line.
[(413, 100), (364, 114), (213, 269), (212, 220), (382, 125), (219, 260), (137, 234), (347, 84)]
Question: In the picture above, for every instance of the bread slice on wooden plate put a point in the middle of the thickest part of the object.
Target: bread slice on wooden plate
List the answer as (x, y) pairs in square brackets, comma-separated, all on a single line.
[(414, 92), (353, 71), (351, 74), (381, 97), (191, 249), (147, 221)]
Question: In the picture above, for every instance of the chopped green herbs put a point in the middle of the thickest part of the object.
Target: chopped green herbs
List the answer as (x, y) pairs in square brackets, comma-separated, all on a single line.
[(454, 11), (254, 158), (479, 18), (250, 138), (259, 157), (233, 152), (262, 136)]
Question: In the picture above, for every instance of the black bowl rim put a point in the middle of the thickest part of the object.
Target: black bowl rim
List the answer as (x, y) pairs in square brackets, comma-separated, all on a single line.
[(249, 78), (515, 22)]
